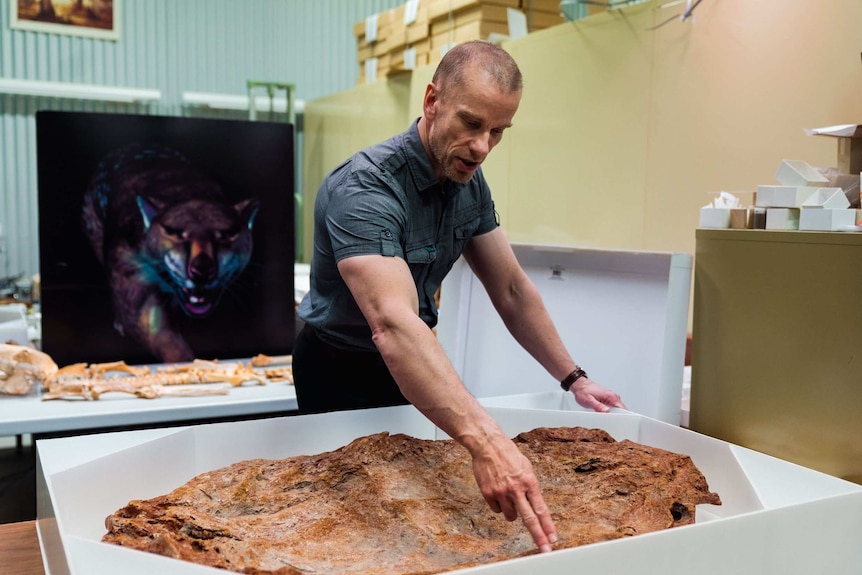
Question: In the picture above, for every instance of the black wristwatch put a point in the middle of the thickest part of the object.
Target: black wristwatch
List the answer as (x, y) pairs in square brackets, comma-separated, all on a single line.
[(570, 379)]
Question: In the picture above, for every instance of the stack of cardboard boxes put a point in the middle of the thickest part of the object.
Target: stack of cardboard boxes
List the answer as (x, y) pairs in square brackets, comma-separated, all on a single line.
[(420, 32)]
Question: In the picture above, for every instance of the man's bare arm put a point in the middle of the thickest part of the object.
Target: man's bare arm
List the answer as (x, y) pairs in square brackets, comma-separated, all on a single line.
[(517, 300), (385, 292)]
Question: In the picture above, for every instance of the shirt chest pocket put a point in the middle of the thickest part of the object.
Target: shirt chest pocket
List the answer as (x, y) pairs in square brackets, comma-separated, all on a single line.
[(421, 255), (462, 233)]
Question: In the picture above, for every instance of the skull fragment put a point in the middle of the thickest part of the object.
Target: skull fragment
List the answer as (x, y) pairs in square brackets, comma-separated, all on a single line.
[(23, 367)]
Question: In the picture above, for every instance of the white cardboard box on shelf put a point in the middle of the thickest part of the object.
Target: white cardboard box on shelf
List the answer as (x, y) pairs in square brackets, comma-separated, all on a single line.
[(827, 198), (775, 517), (714, 217), (782, 218), (799, 173), (827, 220), (623, 314), (770, 196)]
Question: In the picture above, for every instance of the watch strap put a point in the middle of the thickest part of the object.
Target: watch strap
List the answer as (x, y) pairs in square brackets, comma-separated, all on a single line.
[(570, 379)]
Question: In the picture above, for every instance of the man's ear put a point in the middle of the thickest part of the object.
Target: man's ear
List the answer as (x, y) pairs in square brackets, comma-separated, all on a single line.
[(429, 104)]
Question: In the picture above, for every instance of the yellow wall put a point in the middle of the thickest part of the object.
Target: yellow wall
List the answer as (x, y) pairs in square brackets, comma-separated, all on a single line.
[(624, 132), (337, 126)]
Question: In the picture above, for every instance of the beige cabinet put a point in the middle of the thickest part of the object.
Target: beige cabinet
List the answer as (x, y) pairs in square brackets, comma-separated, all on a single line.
[(777, 345)]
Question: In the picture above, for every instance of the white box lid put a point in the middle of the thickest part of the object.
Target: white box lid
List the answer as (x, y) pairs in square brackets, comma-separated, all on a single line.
[(622, 314)]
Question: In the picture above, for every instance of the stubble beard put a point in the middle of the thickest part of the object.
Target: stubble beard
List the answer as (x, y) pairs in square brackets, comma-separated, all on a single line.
[(439, 152)]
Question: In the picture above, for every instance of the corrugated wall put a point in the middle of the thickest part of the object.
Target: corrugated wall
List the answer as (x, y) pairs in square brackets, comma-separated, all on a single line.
[(174, 46)]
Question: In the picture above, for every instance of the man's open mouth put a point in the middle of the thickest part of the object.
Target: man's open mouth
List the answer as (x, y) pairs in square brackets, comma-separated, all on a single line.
[(468, 164)]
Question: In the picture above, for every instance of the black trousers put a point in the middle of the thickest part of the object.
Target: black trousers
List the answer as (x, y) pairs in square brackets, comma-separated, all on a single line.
[(327, 378)]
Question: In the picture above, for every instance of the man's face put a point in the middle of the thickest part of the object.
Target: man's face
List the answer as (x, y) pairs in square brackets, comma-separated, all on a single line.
[(466, 122)]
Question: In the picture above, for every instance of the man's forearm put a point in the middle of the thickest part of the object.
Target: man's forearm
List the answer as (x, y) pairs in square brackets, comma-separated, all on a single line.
[(527, 319), (429, 382)]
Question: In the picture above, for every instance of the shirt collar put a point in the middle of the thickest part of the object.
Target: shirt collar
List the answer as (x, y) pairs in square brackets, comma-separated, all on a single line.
[(419, 163)]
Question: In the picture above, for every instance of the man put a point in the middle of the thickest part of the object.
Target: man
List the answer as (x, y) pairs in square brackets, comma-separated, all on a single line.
[(388, 225)]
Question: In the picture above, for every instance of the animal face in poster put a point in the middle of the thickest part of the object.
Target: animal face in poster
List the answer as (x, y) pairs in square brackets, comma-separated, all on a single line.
[(169, 240)]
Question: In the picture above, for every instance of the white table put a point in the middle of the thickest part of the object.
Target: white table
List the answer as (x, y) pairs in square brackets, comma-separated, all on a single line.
[(30, 414)]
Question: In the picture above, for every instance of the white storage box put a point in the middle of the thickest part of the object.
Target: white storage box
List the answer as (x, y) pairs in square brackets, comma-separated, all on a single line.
[(782, 218), (714, 217), (775, 517), (783, 196), (799, 173), (623, 315), (826, 220), (827, 198)]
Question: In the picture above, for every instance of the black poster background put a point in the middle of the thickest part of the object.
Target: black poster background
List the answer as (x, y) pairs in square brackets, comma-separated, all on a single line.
[(248, 159)]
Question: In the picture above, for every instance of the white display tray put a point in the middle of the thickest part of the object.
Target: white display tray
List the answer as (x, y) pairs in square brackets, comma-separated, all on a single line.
[(622, 314), (776, 517)]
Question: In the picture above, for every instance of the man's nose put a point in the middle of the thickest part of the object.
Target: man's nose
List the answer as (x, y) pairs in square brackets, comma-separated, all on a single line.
[(481, 144)]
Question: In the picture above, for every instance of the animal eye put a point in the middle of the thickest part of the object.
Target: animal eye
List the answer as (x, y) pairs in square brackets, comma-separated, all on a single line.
[(175, 232), (227, 235)]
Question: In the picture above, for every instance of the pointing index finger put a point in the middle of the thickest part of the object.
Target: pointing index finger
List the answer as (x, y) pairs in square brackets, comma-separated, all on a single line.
[(537, 519)]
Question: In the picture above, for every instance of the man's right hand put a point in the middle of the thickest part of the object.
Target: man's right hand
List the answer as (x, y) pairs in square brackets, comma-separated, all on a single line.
[(509, 486)]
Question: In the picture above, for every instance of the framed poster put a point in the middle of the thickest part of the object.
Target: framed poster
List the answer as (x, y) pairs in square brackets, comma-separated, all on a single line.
[(88, 18), (164, 239)]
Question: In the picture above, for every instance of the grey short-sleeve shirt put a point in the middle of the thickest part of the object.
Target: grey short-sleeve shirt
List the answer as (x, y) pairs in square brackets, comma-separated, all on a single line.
[(387, 200)]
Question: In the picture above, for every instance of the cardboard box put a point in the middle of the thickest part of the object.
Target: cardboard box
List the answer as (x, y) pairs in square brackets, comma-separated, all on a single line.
[(849, 138), (479, 30), (540, 5), (849, 155), (542, 14), (782, 218), (595, 297), (403, 35), (374, 69), (365, 51), (714, 217), (409, 59), (740, 218), (443, 8), (775, 517), (486, 12), (828, 220), (799, 173), (375, 22), (784, 196), (539, 20), (827, 198), (492, 13), (758, 218)]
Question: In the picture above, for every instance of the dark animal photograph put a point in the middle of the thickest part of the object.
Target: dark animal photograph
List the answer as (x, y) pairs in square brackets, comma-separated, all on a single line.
[(164, 239)]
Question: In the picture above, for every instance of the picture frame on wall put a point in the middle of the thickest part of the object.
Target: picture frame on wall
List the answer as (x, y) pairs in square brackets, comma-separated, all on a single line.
[(98, 19), (164, 239)]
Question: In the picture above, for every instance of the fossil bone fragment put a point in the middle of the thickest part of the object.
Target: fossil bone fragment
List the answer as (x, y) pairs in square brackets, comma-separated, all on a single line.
[(22, 367), (263, 360)]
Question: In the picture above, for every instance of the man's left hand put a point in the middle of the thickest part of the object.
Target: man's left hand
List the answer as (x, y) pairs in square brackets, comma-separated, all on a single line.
[(593, 396)]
